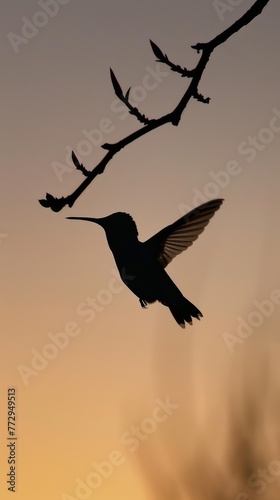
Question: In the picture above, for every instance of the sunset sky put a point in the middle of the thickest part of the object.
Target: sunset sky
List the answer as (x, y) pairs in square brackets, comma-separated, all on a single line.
[(90, 367)]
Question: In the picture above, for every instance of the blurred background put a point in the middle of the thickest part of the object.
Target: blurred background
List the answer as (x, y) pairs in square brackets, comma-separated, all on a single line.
[(113, 401)]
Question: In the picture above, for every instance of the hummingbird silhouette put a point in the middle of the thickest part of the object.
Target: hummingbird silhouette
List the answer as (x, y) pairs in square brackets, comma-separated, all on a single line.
[(141, 264)]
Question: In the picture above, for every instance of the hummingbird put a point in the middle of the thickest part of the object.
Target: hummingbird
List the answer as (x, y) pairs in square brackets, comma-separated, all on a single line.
[(141, 265)]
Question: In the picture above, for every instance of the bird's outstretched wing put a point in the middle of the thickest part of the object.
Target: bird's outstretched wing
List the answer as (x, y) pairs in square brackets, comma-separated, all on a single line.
[(180, 235)]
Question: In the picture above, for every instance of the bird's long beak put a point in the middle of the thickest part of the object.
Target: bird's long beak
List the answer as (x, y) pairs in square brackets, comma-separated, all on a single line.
[(90, 219)]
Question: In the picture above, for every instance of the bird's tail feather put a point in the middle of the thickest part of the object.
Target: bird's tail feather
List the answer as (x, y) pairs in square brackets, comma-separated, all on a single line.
[(184, 312)]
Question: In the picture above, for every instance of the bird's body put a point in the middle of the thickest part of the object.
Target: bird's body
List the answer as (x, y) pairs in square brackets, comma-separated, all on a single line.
[(148, 280), (141, 264)]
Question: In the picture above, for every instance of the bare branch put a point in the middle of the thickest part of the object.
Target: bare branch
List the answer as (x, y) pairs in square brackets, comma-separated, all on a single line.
[(201, 98), (79, 166), (174, 117), (253, 12), (124, 98), (163, 58)]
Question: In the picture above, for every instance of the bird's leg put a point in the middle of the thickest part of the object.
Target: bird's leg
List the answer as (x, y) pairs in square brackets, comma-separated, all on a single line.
[(143, 303)]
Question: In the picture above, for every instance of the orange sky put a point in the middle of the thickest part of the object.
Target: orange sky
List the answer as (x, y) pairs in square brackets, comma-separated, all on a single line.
[(87, 376)]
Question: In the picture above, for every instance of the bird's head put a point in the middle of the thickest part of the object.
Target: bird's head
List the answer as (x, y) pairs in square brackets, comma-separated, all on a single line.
[(118, 227)]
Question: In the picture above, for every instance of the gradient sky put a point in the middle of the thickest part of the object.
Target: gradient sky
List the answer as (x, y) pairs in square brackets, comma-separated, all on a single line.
[(120, 361)]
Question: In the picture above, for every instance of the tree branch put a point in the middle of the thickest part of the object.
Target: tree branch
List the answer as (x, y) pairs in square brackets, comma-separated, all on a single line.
[(164, 59), (124, 98), (174, 117)]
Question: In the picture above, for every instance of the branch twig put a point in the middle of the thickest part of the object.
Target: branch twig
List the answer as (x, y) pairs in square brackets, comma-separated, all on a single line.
[(125, 99), (174, 117), (163, 58)]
